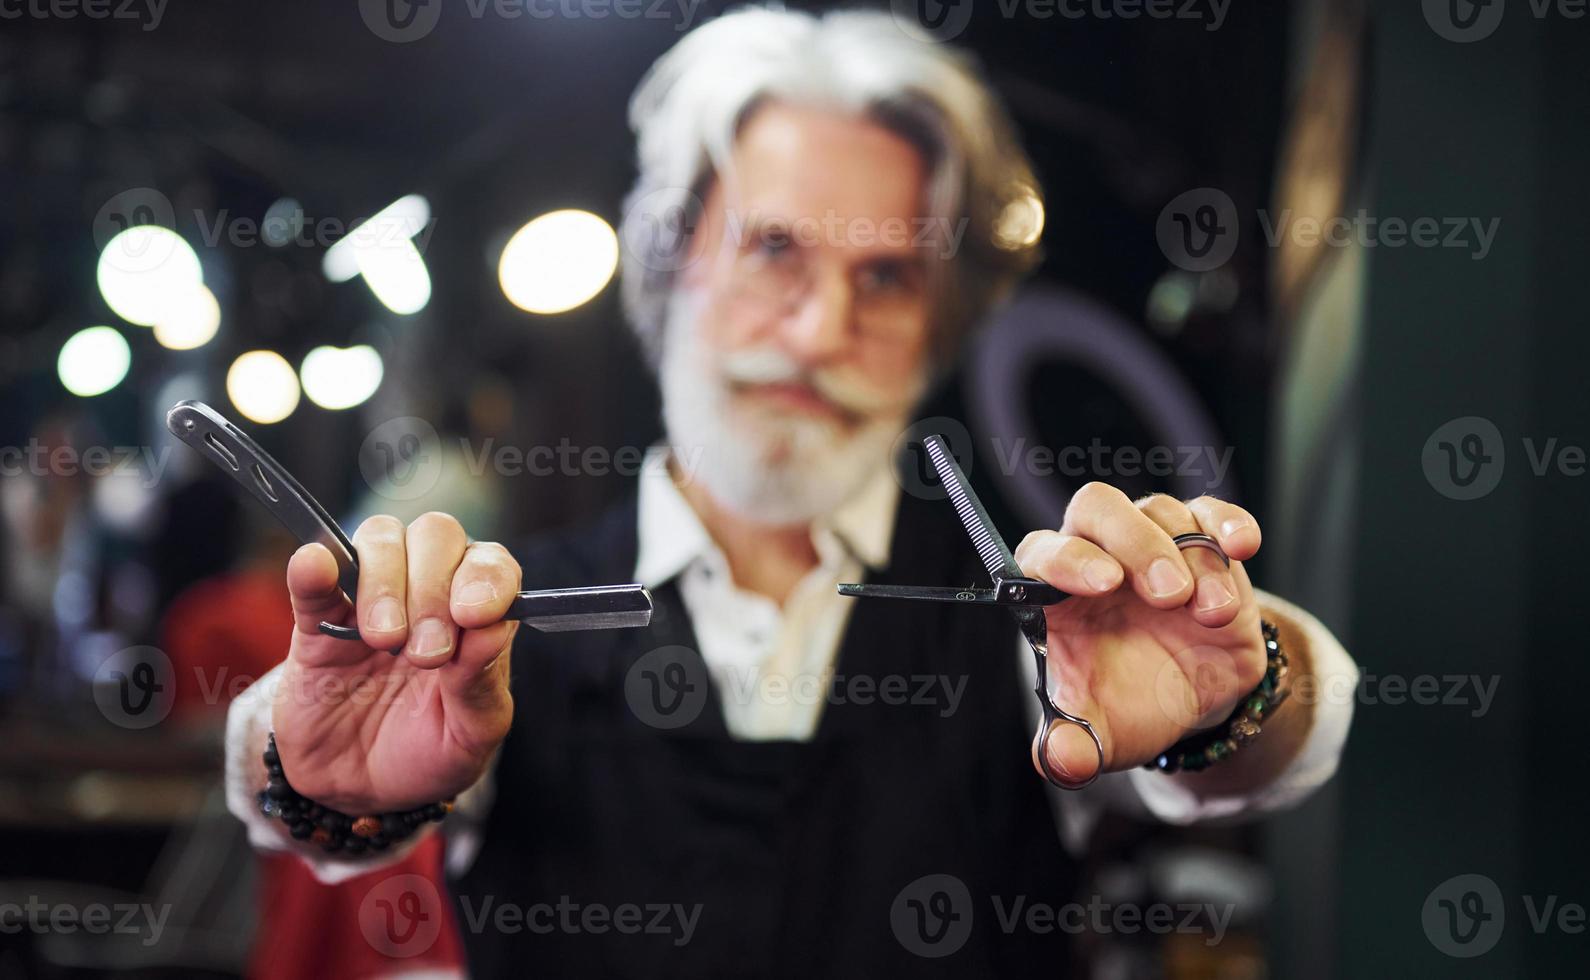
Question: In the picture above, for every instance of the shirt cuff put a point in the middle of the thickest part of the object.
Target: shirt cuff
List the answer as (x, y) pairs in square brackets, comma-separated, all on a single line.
[(1335, 685)]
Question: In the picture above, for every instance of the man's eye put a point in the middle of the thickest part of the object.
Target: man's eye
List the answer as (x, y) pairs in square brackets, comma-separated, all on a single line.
[(772, 243), (887, 277)]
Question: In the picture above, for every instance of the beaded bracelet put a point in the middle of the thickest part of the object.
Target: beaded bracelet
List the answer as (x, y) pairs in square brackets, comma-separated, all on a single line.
[(1200, 751), (332, 829)]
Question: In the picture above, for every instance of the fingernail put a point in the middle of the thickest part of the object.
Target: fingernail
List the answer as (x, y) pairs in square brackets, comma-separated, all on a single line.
[(386, 615), (1166, 577), (433, 639), (1212, 593), (1232, 527), (476, 594), (1101, 575)]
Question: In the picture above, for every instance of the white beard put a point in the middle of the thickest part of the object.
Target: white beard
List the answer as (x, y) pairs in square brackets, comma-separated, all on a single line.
[(767, 466)]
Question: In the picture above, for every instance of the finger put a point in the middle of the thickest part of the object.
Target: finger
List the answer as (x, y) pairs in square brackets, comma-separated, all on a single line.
[(1235, 528), (435, 544), (383, 582), (1069, 563), (1102, 514), (1216, 600), (477, 679), (1071, 752), (484, 585), (1072, 755), (316, 597)]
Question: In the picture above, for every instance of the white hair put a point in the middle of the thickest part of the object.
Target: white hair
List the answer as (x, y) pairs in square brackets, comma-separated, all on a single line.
[(688, 109)]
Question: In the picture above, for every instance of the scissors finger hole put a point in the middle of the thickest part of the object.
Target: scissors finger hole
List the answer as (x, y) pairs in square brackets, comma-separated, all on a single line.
[(1046, 748)]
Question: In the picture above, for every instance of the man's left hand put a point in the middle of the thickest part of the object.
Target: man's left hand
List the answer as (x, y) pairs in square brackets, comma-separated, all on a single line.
[(1155, 642)]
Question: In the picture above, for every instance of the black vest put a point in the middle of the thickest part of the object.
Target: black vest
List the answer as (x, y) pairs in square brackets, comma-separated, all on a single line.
[(900, 829)]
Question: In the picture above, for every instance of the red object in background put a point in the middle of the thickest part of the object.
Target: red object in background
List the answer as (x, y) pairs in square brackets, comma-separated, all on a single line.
[(222, 634), (391, 921)]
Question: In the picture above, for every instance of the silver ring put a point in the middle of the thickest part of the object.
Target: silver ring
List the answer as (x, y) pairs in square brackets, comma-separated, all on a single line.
[(1197, 539)]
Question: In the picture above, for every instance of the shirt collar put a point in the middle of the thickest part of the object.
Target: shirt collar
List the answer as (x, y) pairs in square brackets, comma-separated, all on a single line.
[(671, 536)]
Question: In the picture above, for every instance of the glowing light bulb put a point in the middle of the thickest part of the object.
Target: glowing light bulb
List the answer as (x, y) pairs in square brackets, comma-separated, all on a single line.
[(263, 386), (142, 268), (93, 361), (189, 320), (336, 377), (558, 261)]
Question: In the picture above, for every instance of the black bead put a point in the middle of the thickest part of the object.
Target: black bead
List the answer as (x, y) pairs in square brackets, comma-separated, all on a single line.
[(302, 829), (277, 789), (355, 845)]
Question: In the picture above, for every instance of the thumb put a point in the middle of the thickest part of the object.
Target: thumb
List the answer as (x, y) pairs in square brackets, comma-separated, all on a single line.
[(316, 596), (1069, 751)]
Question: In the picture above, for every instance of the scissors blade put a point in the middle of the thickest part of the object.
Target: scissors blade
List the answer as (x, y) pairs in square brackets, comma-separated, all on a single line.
[(927, 592), (1001, 564), (246, 462)]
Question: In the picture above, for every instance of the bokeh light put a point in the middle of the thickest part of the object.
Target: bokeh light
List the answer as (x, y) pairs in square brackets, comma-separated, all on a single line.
[(338, 377), (1020, 222), (395, 272), (190, 319), (262, 386), (140, 269), (558, 261), (93, 361), (402, 219)]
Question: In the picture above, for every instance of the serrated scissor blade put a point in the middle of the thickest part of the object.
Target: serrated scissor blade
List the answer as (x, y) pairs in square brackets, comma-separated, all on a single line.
[(990, 546)]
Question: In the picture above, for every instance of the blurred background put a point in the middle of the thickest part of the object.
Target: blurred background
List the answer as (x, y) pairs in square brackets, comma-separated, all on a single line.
[(189, 193)]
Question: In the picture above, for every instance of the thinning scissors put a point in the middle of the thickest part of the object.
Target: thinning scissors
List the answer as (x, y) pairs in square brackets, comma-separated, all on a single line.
[(1025, 598), (238, 456)]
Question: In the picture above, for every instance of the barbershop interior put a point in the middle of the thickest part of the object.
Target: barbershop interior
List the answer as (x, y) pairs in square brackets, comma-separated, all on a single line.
[(667, 316)]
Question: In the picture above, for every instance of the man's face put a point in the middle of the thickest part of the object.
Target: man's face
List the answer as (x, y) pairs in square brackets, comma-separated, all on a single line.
[(798, 334)]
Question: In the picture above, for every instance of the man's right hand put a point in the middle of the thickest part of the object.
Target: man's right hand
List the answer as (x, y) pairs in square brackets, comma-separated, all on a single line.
[(363, 731)]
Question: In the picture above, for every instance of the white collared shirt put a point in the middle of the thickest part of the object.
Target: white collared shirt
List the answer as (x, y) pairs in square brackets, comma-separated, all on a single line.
[(769, 664)]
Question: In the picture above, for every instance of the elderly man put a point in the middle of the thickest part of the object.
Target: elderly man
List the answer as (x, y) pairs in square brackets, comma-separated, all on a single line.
[(674, 770)]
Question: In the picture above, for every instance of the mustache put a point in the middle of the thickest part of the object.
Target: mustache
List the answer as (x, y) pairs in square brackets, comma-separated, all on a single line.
[(765, 365)]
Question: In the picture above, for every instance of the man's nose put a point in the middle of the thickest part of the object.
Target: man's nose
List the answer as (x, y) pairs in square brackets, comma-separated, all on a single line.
[(819, 328)]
